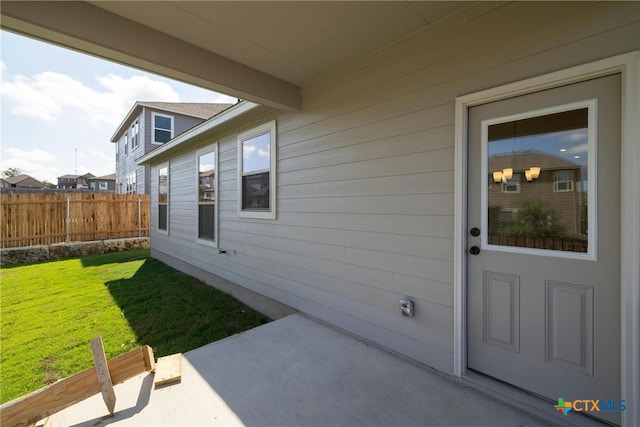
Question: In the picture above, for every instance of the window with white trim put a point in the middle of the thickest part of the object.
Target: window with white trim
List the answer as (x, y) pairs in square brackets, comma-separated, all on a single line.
[(512, 185), (162, 128), (257, 172), (135, 131), (163, 198), (563, 181), (207, 180), (131, 183)]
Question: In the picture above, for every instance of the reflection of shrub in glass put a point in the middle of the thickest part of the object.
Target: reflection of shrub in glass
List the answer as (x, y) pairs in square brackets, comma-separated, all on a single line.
[(536, 225), (534, 218)]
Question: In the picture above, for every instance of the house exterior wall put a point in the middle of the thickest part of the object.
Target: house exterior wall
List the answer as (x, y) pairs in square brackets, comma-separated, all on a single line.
[(366, 173), (126, 160), (107, 185), (126, 163), (181, 123)]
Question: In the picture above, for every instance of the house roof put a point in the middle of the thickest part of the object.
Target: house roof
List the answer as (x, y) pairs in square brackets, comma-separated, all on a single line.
[(196, 109), (214, 124), (524, 160), (227, 47), (201, 110), (110, 177), (18, 178), (69, 177)]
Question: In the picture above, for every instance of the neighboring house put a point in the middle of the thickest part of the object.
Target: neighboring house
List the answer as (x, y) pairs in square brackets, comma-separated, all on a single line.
[(4, 183), (105, 183), (147, 126), (23, 181), (359, 173), (74, 181)]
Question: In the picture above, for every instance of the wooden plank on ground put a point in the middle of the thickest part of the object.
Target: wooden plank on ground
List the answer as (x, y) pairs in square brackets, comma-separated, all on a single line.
[(168, 369), (102, 369), (129, 364), (149, 361), (40, 404)]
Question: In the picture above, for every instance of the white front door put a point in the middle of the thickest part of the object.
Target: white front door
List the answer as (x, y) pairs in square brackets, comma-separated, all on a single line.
[(543, 283)]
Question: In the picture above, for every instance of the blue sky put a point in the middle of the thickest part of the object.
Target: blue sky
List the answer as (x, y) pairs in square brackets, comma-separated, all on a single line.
[(571, 145), (55, 100)]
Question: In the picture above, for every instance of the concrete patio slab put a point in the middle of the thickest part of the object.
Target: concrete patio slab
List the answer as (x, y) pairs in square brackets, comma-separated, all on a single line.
[(296, 372)]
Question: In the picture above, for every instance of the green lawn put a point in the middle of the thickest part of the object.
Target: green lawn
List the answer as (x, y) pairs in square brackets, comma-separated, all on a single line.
[(51, 311)]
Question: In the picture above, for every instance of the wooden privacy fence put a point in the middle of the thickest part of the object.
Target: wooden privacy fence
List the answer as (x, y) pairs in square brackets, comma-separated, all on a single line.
[(44, 219)]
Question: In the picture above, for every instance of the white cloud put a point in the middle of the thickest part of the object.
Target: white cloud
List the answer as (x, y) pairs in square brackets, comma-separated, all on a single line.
[(48, 94), (248, 150), (578, 149), (43, 165), (263, 153), (56, 116), (575, 136), (35, 162), (34, 155)]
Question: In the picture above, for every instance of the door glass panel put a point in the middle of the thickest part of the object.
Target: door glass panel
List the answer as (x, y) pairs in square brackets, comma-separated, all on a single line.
[(538, 181), (207, 196)]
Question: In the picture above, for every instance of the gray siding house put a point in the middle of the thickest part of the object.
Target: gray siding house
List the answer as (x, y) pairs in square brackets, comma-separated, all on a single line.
[(380, 176), (145, 127), (103, 184), (74, 181)]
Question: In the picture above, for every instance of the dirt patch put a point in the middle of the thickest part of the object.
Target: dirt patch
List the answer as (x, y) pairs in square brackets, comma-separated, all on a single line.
[(51, 374)]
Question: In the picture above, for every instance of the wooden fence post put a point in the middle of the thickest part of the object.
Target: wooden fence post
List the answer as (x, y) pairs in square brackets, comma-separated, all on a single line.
[(68, 219), (139, 221)]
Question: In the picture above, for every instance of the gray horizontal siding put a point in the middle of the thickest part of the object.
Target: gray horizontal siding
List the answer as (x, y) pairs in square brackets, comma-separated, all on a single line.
[(365, 173)]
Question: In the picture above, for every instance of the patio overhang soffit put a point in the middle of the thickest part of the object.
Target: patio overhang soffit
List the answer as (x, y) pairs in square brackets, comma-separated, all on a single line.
[(91, 29), (264, 52)]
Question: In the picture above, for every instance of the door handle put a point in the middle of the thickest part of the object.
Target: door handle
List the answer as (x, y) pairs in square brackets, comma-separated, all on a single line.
[(475, 231), (474, 250)]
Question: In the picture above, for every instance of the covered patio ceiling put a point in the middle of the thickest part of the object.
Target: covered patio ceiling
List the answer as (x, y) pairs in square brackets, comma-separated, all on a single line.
[(264, 52)]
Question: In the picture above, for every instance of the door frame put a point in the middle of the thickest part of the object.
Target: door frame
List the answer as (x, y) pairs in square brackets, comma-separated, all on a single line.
[(628, 65)]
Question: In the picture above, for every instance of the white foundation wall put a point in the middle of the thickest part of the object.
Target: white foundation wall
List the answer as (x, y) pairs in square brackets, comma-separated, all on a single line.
[(365, 173)]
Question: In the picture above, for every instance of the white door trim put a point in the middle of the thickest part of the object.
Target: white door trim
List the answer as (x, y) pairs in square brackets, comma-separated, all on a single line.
[(629, 66)]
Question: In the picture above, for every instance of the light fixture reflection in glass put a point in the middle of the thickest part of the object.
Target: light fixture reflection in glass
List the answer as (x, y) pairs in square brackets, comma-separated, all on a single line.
[(532, 173), (535, 172)]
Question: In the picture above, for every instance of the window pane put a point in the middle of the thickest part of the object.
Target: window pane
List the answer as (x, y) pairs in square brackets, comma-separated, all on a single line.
[(162, 217), (163, 123), (255, 191), (162, 135), (163, 181), (206, 222), (207, 174), (532, 166), (255, 153)]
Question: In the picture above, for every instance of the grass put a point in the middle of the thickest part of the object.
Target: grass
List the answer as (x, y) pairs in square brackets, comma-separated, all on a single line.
[(51, 311)]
